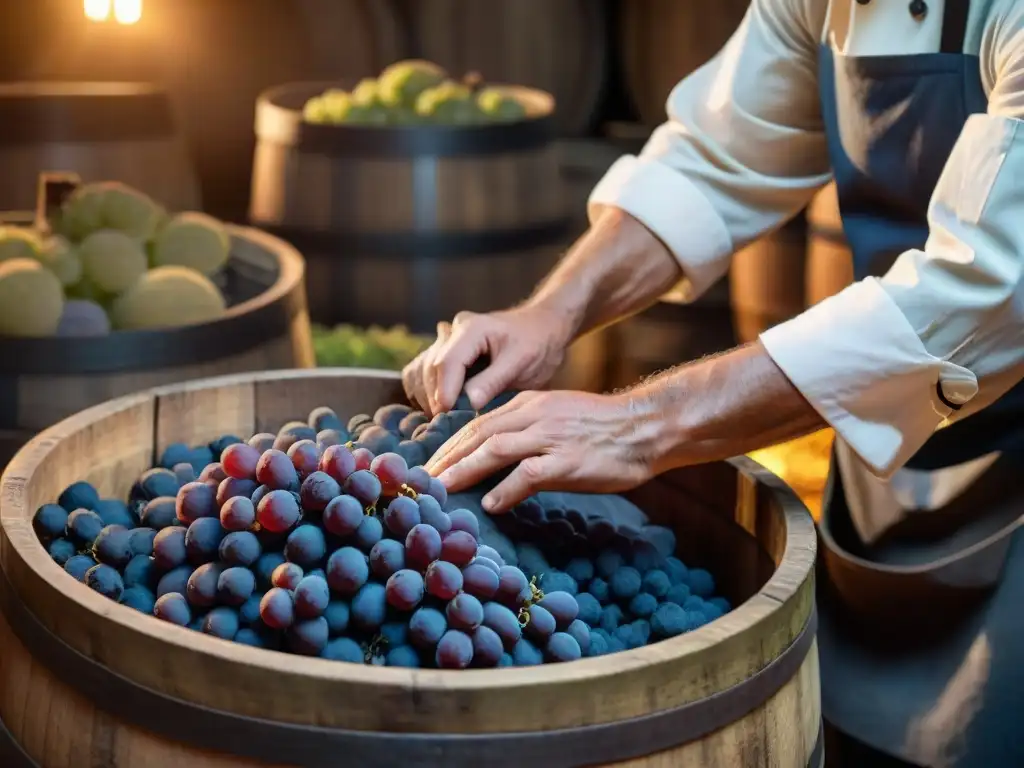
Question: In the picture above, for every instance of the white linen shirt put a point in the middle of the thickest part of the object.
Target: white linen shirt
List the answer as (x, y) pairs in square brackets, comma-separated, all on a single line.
[(744, 149)]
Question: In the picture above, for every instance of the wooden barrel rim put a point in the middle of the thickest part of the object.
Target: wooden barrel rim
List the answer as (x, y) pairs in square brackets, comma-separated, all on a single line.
[(279, 119), (32, 113), (773, 618), (242, 327)]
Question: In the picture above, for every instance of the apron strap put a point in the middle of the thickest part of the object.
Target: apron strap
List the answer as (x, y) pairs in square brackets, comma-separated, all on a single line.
[(954, 26)]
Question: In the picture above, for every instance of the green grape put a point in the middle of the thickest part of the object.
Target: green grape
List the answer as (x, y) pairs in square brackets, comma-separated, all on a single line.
[(112, 260), (166, 297), (192, 240), (19, 243), (31, 299), (498, 105), (402, 83), (60, 257)]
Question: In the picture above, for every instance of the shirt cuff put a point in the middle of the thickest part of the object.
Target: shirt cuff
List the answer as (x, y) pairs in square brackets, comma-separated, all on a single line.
[(674, 210), (861, 365)]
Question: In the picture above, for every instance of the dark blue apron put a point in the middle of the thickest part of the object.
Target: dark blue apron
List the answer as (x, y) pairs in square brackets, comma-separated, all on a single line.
[(922, 636)]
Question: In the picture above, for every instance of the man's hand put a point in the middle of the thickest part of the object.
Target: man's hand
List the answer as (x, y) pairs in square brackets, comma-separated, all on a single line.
[(525, 345), (561, 441)]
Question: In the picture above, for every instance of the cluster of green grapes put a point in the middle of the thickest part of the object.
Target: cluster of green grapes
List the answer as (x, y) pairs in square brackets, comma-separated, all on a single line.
[(115, 260), (415, 92), (373, 347)]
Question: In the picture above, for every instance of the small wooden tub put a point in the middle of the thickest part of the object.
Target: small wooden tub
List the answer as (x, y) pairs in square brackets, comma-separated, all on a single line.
[(43, 380), (410, 224), (84, 681), (124, 131)]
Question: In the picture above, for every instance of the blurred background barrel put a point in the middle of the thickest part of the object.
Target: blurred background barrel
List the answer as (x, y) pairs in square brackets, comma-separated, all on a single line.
[(829, 261), (123, 131), (410, 224), (557, 46)]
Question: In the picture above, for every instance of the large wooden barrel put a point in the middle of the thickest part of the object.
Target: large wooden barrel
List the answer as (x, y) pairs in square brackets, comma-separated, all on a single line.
[(741, 692), (665, 40), (559, 47), (124, 131), (409, 224), (43, 380), (829, 261)]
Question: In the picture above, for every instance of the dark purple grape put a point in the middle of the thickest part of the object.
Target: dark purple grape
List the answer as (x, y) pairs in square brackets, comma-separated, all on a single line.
[(311, 597), (413, 452), (115, 512), (581, 634), (212, 474), (306, 545), (305, 457), (464, 612), (284, 442), (141, 541), (403, 656), (308, 637), (625, 583), (337, 615), (504, 622), (405, 590), (322, 417), (598, 587), (562, 646), (464, 520), (526, 654), (61, 550), (222, 443), (202, 585), (84, 526), (113, 546), (175, 453), (338, 462), (231, 487), (589, 609), (278, 511), (185, 473), (287, 576), (235, 585), (275, 470), (512, 584), (249, 611), (426, 627), (377, 440), (419, 480), (195, 501), (78, 566), (105, 580), (443, 580), (479, 580), (438, 491), (175, 580), (607, 563), (344, 649), (221, 622), (202, 539), (401, 516), (237, 514), (490, 553), (363, 458), (343, 515), (240, 460), (390, 417), (277, 609), (169, 547), (454, 650), (50, 521), (392, 471), (317, 491), (486, 562), (458, 547), (418, 432), (387, 558), (643, 605), (611, 618), (541, 624), (422, 546), (325, 438), (301, 430), (262, 442), (80, 495), (173, 608), (369, 532), (369, 606), (159, 481), (252, 637), (347, 571), (365, 486), (562, 606), (487, 647), (264, 568), (358, 420), (160, 513), (409, 422), (432, 514)]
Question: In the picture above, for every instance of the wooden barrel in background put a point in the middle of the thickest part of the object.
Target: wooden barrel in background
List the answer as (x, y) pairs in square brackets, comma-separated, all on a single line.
[(123, 131), (740, 692), (662, 41), (556, 46), (410, 224), (43, 380), (829, 261)]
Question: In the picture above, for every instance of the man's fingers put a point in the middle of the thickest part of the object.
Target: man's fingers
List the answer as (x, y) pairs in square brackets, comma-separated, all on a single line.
[(508, 418), (428, 369), (533, 474), (497, 452), (492, 381), (412, 381), (464, 346)]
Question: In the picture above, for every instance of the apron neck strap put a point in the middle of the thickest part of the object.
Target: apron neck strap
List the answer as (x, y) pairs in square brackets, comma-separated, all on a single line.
[(954, 26)]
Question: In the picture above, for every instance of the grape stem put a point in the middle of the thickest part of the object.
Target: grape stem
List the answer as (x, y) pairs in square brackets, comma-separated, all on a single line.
[(406, 490), (536, 595)]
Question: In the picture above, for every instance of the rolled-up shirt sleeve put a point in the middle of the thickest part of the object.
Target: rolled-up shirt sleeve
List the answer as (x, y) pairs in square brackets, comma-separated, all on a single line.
[(743, 148), (884, 360)]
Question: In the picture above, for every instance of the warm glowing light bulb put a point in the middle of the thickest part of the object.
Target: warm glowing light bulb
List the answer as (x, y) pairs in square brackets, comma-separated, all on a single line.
[(97, 10), (127, 11)]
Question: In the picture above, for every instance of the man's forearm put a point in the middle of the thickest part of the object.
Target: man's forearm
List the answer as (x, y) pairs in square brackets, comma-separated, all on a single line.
[(719, 407), (617, 269)]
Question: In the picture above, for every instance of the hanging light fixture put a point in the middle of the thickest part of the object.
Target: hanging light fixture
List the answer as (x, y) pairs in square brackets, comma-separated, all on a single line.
[(125, 12), (98, 10)]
